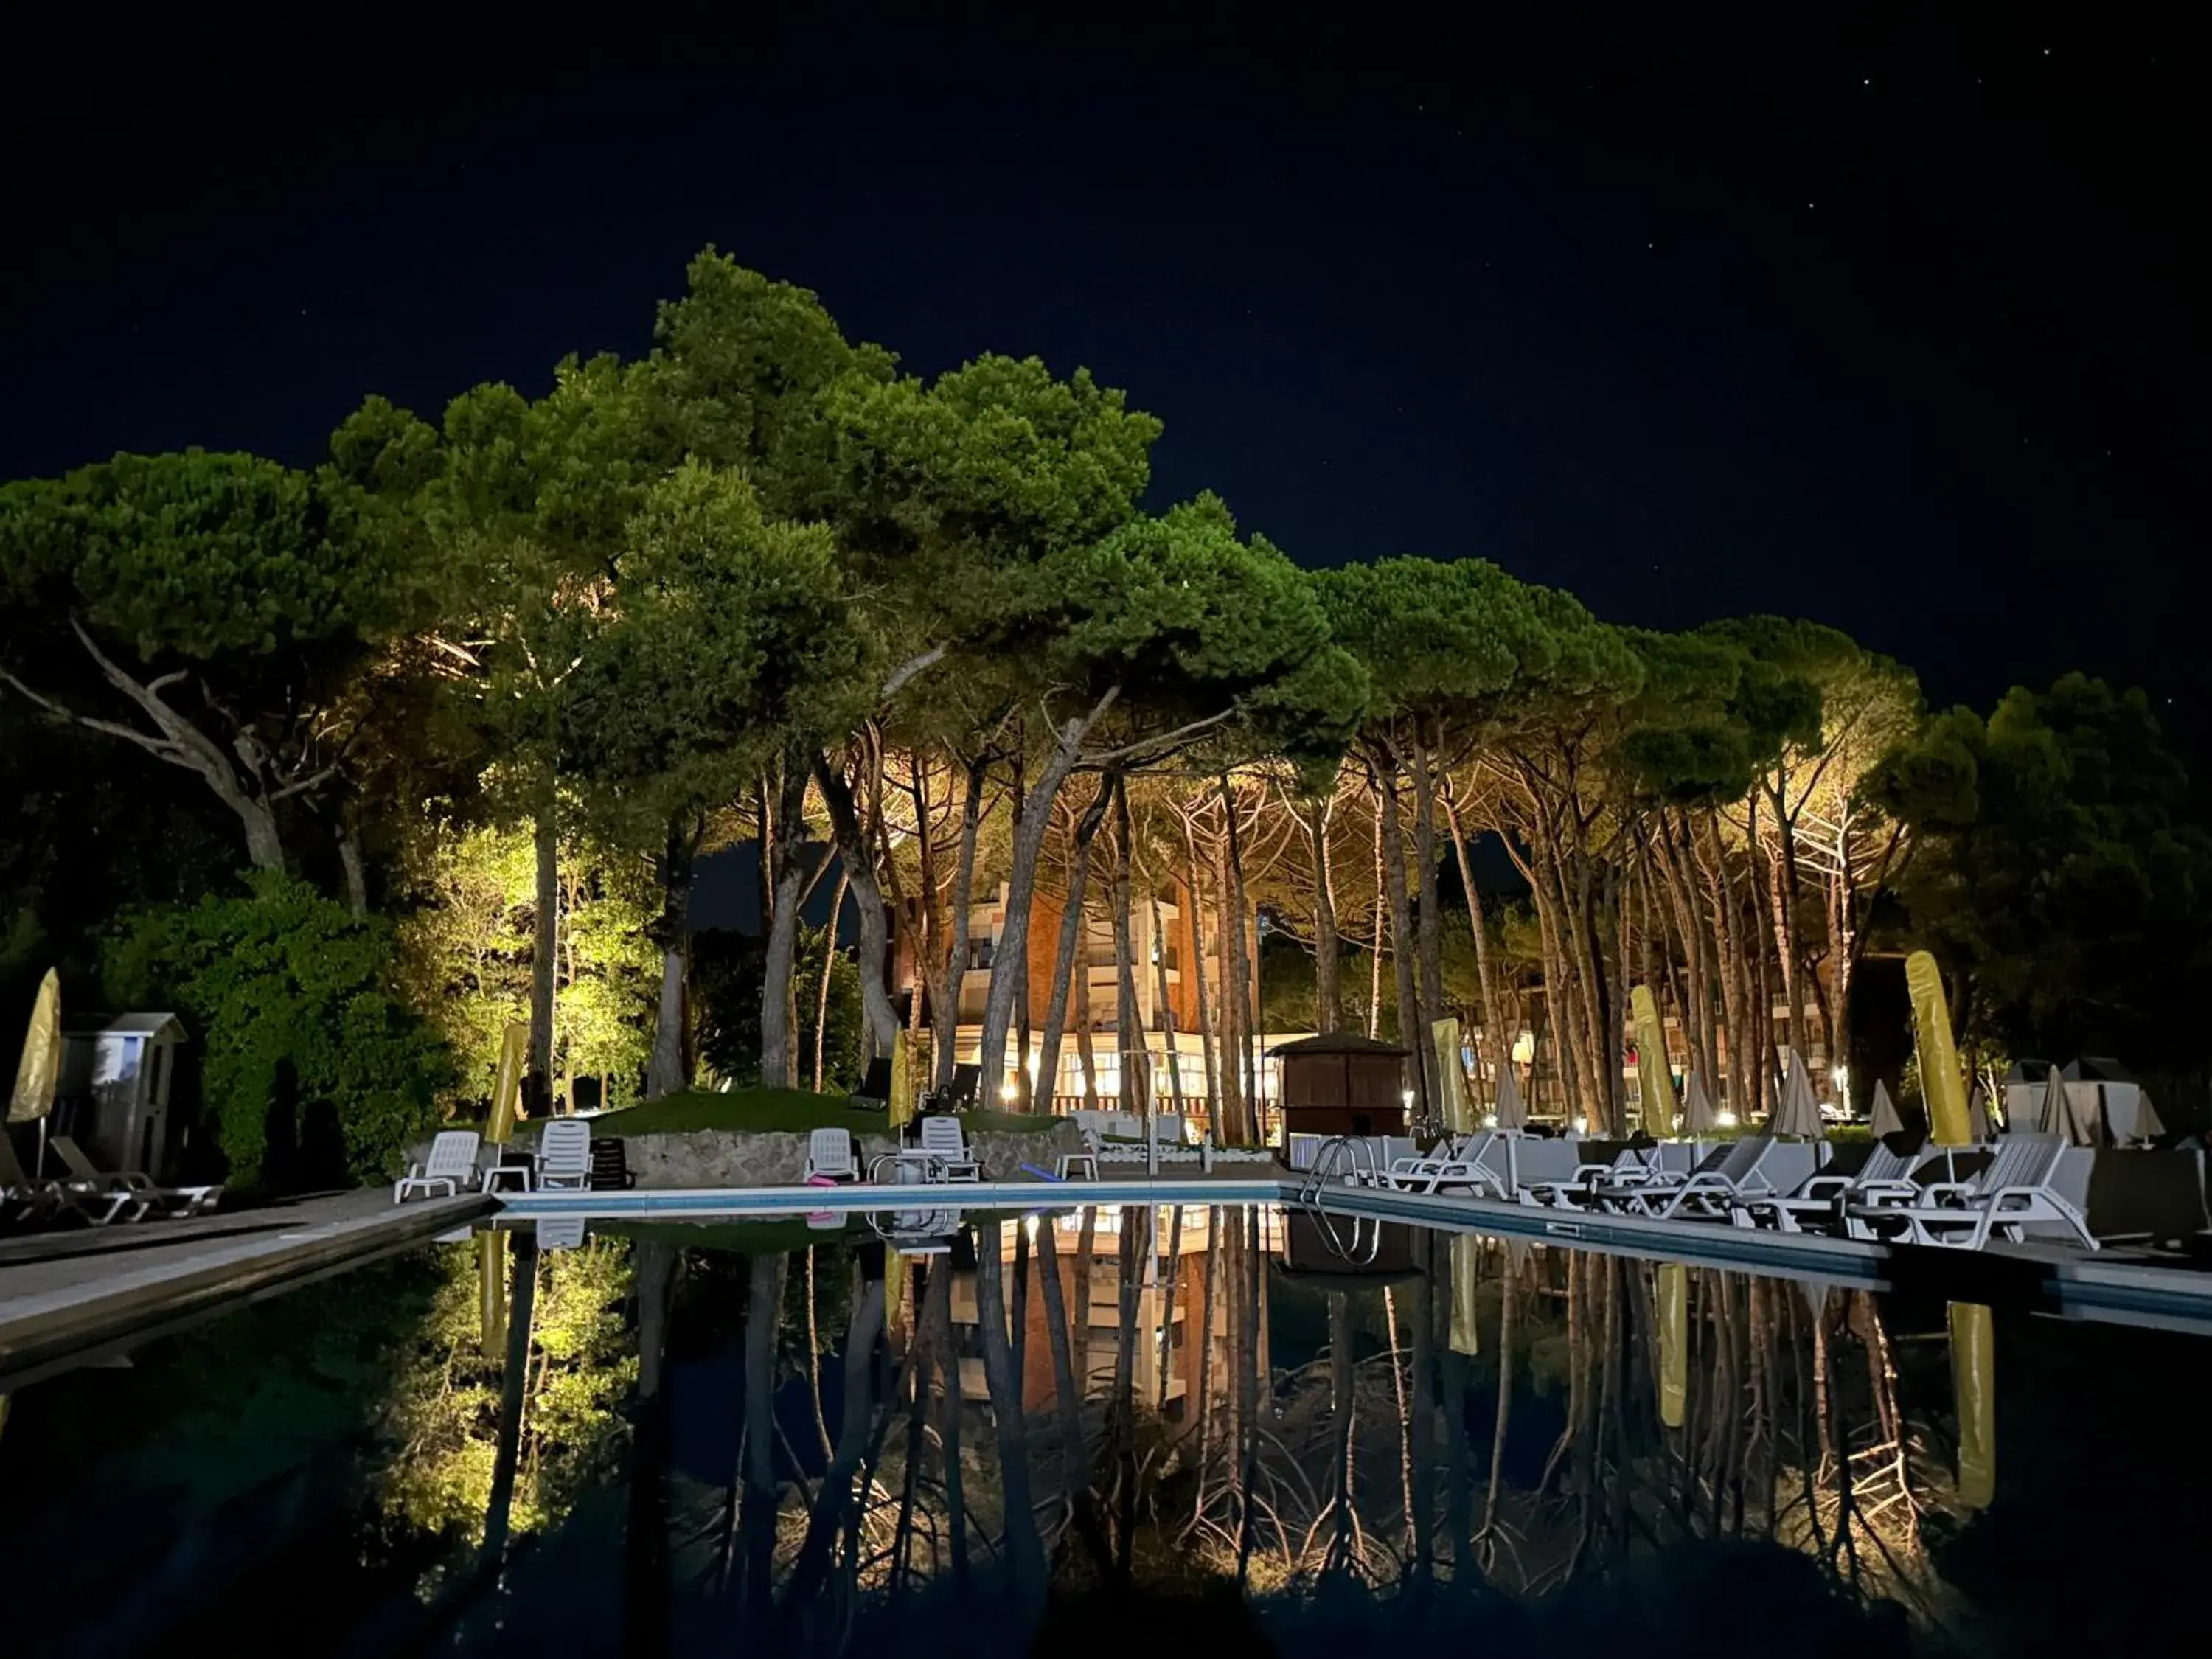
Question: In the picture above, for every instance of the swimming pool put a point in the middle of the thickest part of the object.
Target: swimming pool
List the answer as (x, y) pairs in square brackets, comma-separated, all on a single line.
[(1241, 1428)]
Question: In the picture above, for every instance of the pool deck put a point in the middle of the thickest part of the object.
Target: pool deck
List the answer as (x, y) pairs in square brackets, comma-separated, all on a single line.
[(70, 1298)]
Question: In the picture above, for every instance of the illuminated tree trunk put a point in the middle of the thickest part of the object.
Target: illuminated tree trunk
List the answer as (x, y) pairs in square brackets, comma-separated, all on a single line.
[(1128, 1016), (1428, 925), (544, 957), (1404, 945), (1328, 1002), (828, 971), (1495, 1051), (1064, 956), (945, 1009), (778, 1068), (871, 938), (1238, 1058), (1011, 962), (670, 1067), (1195, 890)]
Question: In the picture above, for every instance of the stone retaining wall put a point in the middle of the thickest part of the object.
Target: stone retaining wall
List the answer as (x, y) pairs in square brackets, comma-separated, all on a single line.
[(755, 1158)]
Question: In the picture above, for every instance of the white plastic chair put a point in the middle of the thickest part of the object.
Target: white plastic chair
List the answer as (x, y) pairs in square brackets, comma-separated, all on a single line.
[(947, 1146), (452, 1164), (831, 1157), (564, 1156), (2013, 1190)]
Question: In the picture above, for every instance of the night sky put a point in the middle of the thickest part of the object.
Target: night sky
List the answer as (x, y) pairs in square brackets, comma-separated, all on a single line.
[(1888, 325)]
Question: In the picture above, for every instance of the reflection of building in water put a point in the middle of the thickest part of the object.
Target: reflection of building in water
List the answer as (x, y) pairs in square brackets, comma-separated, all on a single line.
[(1171, 1299)]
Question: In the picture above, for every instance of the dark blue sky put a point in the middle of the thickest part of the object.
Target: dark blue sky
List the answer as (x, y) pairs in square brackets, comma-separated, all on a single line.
[(1888, 326)]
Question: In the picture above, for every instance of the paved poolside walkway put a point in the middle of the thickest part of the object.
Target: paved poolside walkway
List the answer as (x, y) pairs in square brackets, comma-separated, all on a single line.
[(65, 1296)]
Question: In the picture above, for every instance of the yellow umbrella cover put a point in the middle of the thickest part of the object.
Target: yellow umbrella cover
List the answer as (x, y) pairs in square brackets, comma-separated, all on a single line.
[(491, 1290), (1451, 1079), (1942, 1085), (1974, 1387), (507, 1087), (1654, 1082), (1674, 1342), (1466, 1255), (38, 1072)]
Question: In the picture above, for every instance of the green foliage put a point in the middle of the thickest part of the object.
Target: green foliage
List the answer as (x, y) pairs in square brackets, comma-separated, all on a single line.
[(443, 1410), (2063, 874), (464, 955), (292, 1000), (195, 556)]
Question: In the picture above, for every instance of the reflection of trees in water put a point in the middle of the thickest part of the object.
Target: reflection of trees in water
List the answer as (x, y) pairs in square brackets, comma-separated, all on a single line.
[(444, 1409), (1390, 1460)]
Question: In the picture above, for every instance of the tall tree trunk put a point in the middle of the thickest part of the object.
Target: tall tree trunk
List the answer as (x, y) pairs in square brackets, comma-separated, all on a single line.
[(350, 863), (1229, 1120), (1375, 945), (670, 1067), (957, 953), (1129, 1032), (1328, 998), (545, 944), (1195, 891), (871, 939), (1496, 1050), (1404, 945), (1428, 932), (779, 1067), (1162, 991), (829, 971), (1064, 949), (1012, 961), (1239, 974)]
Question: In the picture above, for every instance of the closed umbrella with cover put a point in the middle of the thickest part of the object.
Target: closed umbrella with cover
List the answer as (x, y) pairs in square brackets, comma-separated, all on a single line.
[(1799, 1114), (1512, 1113), (1885, 1121), (1698, 1114)]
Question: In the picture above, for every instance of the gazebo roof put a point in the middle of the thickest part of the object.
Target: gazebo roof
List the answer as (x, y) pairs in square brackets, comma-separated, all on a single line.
[(1337, 1043)]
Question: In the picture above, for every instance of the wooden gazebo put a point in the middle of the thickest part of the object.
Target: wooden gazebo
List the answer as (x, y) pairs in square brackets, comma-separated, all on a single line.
[(1342, 1084)]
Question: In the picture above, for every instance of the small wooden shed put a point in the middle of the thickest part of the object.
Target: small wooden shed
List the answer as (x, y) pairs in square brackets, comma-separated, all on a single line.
[(1342, 1084), (115, 1089)]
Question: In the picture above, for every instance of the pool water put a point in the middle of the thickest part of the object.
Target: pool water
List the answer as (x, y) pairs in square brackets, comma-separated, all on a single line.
[(1228, 1429)]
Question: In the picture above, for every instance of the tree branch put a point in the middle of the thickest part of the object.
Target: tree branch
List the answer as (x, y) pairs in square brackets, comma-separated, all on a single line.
[(907, 671)]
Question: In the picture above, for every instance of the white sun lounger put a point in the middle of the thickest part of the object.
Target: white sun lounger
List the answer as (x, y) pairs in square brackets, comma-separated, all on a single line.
[(1581, 1189), (452, 1164), (2013, 1190), (1482, 1163), (1823, 1196), (564, 1156), (831, 1157), (1728, 1177), (104, 1197), (941, 1137)]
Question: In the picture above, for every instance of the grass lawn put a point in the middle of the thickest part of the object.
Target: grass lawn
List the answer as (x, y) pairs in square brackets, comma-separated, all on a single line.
[(792, 1110)]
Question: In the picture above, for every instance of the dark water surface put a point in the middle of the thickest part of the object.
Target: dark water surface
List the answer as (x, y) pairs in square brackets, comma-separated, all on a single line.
[(767, 1438)]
